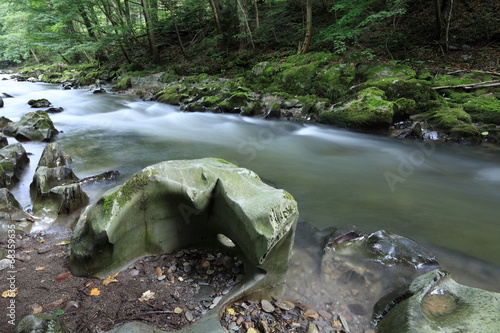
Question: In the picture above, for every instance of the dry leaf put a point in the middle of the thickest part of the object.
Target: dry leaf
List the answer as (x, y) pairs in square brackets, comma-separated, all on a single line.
[(63, 276), (177, 310), (11, 293), (57, 303), (158, 271), (39, 268), (89, 284), (63, 243), (147, 295), (95, 292), (110, 279)]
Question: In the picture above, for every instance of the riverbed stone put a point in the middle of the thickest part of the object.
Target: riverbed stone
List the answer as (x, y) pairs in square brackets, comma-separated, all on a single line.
[(435, 302), (4, 122), (175, 204), (13, 159), (33, 126), (55, 189), (39, 103), (1, 102)]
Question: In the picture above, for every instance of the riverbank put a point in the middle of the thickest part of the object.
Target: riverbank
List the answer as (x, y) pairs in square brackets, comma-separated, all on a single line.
[(353, 92)]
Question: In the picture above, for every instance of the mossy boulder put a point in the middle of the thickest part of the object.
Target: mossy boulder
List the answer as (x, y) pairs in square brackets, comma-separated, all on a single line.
[(419, 91), (371, 72), (446, 118), (41, 322), (434, 302), (484, 108), (124, 84), (13, 160), (367, 109), (33, 126)]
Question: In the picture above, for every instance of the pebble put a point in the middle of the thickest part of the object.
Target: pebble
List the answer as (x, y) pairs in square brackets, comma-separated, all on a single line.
[(134, 272), (161, 278), (189, 316), (267, 306), (215, 302), (4, 263), (285, 305)]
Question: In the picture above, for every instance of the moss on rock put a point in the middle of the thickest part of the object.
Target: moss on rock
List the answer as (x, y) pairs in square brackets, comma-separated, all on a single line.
[(367, 110), (370, 72), (124, 84)]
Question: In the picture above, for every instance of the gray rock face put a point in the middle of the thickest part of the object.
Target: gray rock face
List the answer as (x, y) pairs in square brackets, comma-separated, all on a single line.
[(13, 159), (54, 187), (434, 302), (41, 322), (177, 204), (33, 126)]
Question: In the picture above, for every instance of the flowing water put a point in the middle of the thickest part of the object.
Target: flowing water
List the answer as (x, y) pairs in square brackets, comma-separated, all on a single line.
[(447, 198)]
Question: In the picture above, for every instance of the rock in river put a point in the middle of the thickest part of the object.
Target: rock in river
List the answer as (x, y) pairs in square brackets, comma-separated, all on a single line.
[(33, 126)]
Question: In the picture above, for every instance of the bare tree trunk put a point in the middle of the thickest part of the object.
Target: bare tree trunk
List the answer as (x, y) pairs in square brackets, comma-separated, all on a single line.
[(257, 20), (307, 41), (215, 11), (172, 13), (244, 22), (151, 31)]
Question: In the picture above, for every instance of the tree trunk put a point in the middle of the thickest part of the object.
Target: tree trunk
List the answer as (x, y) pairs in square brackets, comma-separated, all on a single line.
[(215, 11), (151, 31), (307, 41), (172, 13), (244, 26)]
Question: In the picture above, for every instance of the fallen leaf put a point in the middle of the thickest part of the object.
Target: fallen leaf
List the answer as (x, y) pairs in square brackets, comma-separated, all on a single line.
[(63, 243), (147, 295), (110, 279), (95, 292), (230, 311), (63, 276), (177, 310), (57, 303), (158, 271), (89, 284), (41, 241), (39, 268), (11, 293)]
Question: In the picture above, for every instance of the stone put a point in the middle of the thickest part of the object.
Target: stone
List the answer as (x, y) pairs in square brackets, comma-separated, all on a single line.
[(33, 126), (13, 160), (39, 103), (124, 84), (267, 306), (53, 156), (435, 302), (41, 322), (175, 204), (1, 102), (55, 189), (4, 122), (3, 141)]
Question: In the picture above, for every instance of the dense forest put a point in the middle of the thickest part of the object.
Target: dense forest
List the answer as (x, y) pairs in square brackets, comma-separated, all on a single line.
[(211, 35)]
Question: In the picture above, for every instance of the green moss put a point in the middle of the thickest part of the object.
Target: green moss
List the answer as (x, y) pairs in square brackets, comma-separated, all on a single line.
[(377, 72), (447, 118), (459, 79), (6, 167), (420, 91), (124, 83), (368, 110), (404, 108), (465, 131), (318, 58), (127, 190), (485, 108)]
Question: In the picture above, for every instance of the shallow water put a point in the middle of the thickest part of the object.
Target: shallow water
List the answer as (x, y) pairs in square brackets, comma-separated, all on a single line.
[(447, 197)]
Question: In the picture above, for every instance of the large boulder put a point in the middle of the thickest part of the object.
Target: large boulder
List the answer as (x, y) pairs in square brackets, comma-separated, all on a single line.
[(41, 322), (11, 211), (39, 103), (434, 302), (177, 204), (33, 126), (13, 159)]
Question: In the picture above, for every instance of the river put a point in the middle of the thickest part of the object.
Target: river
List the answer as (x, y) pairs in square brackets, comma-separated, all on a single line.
[(447, 198)]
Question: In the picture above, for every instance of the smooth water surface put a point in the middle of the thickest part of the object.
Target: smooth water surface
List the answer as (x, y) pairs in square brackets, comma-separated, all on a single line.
[(439, 196)]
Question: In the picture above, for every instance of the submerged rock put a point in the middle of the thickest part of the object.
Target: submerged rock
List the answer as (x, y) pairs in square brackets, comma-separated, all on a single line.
[(435, 302), (33, 126), (13, 159), (39, 103)]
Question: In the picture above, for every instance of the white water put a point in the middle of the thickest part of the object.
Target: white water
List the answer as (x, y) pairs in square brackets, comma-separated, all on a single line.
[(439, 196)]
